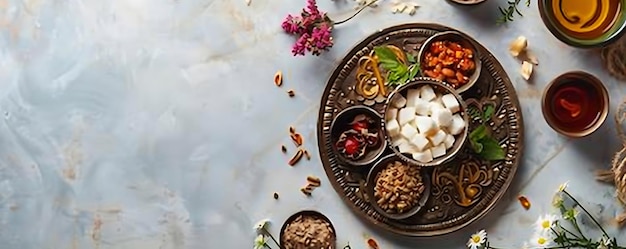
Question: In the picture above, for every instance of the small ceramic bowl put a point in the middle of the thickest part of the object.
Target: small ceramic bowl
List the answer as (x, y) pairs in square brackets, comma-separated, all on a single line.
[(468, 2), (341, 123), (464, 42), (587, 83), (440, 88), (371, 183), (309, 213), (618, 28)]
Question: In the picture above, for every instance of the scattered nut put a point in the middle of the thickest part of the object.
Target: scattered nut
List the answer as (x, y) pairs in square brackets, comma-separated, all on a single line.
[(297, 139), (307, 191), (291, 93), (314, 181), (523, 200), (527, 70), (372, 243), (275, 195), (518, 46), (278, 78), (308, 156), (283, 148), (296, 158), (292, 130)]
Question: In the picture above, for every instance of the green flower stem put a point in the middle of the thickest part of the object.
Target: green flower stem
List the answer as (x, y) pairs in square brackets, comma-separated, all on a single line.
[(358, 11), (272, 237), (570, 232), (587, 212), (577, 227)]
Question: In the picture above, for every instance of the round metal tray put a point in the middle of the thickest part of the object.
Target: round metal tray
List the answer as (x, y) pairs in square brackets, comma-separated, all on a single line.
[(462, 190)]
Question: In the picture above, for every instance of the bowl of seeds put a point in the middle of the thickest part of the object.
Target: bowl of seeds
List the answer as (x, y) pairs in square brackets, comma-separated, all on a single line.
[(397, 189), (308, 229)]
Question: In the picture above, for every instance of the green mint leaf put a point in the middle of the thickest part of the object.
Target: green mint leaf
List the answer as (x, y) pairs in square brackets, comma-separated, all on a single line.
[(491, 149), (488, 112), (411, 58), (389, 65), (478, 134), (477, 146), (413, 70), (385, 54), (404, 79)]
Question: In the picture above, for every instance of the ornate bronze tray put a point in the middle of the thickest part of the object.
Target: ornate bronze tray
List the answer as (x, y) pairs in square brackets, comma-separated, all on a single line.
[(461, 191)]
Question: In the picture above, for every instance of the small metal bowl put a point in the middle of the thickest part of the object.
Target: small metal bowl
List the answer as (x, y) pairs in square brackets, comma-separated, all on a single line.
[(580, 76), (610, 36), (465, 41), (441, 88), (313, 214), (341, 124), (371, 183), (468, 2)]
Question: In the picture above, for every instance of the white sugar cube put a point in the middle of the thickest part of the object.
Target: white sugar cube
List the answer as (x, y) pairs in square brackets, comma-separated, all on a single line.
[(398, 101), (414, 123), (408, 131), (427, 93), (392, 114), (443, 117), (426, 125), (457, 125), (438, 99), (438, 151), (393, 128), (397, 141), (412, 96), (434, 106), (450, 102), (449, 141), (420, 142), (421, 107), (437, 138), (424, 157), (406, 148), (406, 115)]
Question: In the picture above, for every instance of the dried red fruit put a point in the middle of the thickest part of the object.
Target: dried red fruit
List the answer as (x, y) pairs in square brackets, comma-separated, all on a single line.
[(359, 126), (352, 145)]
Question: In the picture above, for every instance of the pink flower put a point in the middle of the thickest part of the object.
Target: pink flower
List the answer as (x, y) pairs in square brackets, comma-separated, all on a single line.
[(301, 45), (311, 6), (292, 24), (313, 29), (321, 39)]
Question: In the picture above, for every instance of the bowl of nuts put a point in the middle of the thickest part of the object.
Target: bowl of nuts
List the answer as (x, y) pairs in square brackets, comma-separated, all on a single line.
[(357, 136), (452, 58), (396, 189), (308, 229)]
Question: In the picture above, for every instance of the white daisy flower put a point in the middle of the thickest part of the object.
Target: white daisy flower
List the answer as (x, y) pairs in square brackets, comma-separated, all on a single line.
[(259, 242), (604, 243), (546, 222), (557, 200), (477, 239), (259, 226), (541, 240), (562, 187)]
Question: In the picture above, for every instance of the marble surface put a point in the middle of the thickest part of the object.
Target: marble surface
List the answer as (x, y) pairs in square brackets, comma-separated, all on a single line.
[(156, 124)]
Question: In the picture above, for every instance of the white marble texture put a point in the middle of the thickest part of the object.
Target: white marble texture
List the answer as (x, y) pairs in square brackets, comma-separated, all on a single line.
[(155, 124)]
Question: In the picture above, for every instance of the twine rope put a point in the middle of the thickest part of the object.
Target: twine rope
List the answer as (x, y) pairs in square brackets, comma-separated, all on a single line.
[(617, 173)]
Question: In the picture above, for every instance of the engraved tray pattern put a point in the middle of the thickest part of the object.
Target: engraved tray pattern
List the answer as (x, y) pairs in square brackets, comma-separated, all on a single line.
[(463, 190)]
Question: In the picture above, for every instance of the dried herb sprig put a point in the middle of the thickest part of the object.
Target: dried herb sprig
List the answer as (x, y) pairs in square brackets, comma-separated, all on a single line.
[(509, 12)]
